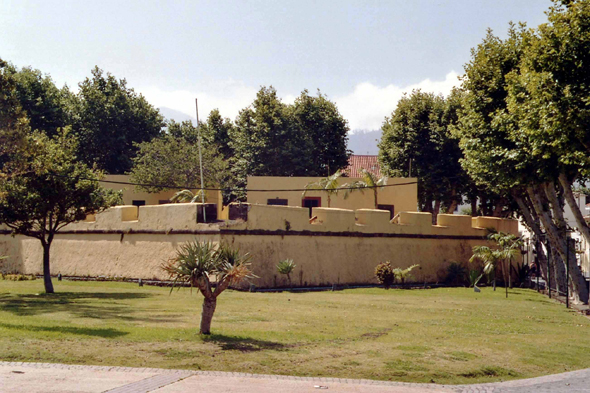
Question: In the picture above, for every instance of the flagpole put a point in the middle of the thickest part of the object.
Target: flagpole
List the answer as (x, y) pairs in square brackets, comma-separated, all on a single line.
[(201, 162)]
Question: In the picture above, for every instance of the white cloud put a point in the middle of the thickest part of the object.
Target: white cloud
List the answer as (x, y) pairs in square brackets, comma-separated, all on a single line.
[(366, 107), (230, 97)]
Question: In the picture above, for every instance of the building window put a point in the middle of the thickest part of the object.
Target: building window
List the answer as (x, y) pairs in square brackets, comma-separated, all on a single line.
[(277, 202), (389, 208), (138, 203), (311, 202)]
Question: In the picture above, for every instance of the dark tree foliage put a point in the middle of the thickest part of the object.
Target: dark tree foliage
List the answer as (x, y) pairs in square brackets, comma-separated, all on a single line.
[(266, 141), (217, 132), (14, 125), (416, 142), (41, 100), (53, 191), (326, 130), (109, 119)]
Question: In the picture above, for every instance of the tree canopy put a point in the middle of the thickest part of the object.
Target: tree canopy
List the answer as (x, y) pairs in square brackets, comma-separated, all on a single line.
[(109, 119), (417, 142), (54, 190)]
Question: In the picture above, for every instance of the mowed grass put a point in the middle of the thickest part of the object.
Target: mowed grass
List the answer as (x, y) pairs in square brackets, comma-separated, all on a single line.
[(439, 335)]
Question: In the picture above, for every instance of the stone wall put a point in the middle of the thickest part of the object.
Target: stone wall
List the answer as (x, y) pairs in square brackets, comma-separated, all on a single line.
[(339, 247)]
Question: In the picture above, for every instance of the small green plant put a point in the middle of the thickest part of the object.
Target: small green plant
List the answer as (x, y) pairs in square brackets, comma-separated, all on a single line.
[(474, 277), (286, 267), (403, 274), (17, 277), (456, 274), (384, 274), (523, 271)]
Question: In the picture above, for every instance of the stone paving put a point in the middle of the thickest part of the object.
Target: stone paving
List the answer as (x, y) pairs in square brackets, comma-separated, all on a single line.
[(22, 377)]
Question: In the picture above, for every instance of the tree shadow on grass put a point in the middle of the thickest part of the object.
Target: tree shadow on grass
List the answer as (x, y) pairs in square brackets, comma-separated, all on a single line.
[(104, 333), (97, 305), (244, 344)]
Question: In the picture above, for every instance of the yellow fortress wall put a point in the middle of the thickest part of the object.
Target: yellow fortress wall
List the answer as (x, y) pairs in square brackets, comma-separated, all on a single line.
[(400, 192), (339, 247)]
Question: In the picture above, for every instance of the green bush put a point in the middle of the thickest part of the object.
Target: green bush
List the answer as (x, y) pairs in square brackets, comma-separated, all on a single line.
[(385, 275), (17, 277), (456, 274)]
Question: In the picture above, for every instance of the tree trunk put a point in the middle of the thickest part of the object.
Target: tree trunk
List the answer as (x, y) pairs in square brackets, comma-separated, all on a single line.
[(498, 207), (473, 207), (571, 201), (209, 304), (557, 238), (46, 271)]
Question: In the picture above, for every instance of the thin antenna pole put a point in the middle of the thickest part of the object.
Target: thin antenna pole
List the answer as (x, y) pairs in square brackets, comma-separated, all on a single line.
[(201, 163)]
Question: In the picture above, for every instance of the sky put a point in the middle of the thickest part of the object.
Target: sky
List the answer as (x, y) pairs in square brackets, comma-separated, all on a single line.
[(362, 54)]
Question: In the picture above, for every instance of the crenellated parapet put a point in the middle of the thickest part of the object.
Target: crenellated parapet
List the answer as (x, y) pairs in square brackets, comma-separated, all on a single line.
[(281, 218)]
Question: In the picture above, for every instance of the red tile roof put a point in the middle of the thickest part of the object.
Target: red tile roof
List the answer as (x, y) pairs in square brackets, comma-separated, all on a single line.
[(356, 162)]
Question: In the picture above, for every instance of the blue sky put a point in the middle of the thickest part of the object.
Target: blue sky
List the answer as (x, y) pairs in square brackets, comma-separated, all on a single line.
[(362, 54)]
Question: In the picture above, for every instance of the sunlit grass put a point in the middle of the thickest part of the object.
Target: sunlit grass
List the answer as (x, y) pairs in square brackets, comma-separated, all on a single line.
[(442, 335)]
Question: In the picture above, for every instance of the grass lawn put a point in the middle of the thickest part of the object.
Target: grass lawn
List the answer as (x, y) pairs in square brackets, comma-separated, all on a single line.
[(441, 335)]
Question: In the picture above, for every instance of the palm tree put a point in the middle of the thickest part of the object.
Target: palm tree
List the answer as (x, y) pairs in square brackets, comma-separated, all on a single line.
[(286, 267), (328, 184), (489, 257), (197, 262), (369, 180), (510, 246), (403, 274), (185, 196)]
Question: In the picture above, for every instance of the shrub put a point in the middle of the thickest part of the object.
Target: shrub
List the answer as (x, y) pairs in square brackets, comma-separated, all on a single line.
[(286, 267), (456, 274), (384, 274)]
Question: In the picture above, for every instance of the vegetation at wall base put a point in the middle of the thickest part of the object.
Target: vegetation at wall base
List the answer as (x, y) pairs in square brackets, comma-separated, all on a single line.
[(449, 335)]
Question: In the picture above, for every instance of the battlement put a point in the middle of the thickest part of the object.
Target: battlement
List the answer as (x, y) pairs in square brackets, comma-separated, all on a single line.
[(269, 217), (186, 216)]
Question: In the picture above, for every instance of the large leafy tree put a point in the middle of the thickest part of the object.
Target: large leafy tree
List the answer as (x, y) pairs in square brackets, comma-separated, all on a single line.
[(549, 97), (266, 141), (172, 161), (14, 124), (41, 100), (54, 191), (500, 152), (216, 131), (326, 131), (109, 119), (417, 142)]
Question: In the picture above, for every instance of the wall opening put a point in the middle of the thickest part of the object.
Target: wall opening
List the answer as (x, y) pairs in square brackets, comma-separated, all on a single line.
[(311, 202)]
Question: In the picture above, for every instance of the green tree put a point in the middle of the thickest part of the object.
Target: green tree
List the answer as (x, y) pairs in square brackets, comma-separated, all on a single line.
[(501, 151), (416, 142), (217, 132), (169, 161), (109, 120), (53, 192), (198, 263), (509, 247), (327, 131), (490, 258), (548, 97), (14, 124), (266, 140), (41, 100)]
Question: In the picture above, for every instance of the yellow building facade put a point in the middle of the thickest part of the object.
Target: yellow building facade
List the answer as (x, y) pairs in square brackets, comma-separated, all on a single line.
[(400, 194)]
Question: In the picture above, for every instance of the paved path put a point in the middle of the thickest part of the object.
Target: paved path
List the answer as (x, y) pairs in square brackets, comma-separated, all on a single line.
[(16, 377)]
